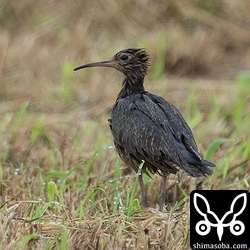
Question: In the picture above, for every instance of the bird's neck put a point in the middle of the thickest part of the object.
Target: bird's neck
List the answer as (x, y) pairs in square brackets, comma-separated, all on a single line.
[(131, 86)]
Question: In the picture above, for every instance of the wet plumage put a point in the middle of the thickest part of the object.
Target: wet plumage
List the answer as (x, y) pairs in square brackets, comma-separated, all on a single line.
[(147, 128)]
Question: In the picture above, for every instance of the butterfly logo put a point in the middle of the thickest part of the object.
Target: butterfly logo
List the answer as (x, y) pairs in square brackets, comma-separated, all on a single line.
[(203, 227)]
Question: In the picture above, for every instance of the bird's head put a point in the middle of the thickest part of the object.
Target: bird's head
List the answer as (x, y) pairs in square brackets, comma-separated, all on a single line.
[(131, 62)]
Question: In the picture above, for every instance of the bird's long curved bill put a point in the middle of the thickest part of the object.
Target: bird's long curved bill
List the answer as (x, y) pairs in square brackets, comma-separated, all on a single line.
[(109, 63)]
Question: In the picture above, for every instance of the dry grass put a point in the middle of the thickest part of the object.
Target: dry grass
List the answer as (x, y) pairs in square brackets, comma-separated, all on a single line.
[(62, 185)]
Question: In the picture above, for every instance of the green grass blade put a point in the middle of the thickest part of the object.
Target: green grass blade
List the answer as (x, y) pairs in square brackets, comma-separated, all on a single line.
[(87, 168), (213, 147), (132, 203)]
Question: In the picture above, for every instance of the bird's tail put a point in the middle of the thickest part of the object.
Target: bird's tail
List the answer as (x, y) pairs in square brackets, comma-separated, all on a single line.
[(208, 163), (205, 168)]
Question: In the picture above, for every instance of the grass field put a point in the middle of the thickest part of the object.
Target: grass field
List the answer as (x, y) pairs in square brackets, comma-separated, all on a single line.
[(62, 185)]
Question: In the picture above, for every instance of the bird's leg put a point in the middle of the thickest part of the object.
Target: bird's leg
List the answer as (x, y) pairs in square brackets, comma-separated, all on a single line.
[(144, 198), (162, 195)]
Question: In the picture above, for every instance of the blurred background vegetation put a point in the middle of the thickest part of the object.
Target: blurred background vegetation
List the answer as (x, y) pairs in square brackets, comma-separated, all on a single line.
[(52, 119), (40, 40)]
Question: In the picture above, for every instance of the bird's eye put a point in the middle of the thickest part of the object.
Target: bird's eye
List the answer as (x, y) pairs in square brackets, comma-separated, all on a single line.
[(124, 57)]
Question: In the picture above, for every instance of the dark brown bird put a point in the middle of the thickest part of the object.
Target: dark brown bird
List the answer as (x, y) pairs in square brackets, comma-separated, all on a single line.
[(146, 128)]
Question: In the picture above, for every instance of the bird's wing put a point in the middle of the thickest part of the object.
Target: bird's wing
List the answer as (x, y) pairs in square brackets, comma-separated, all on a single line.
[(153, 130), (183, 135), (179, 127), (173, 125)]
